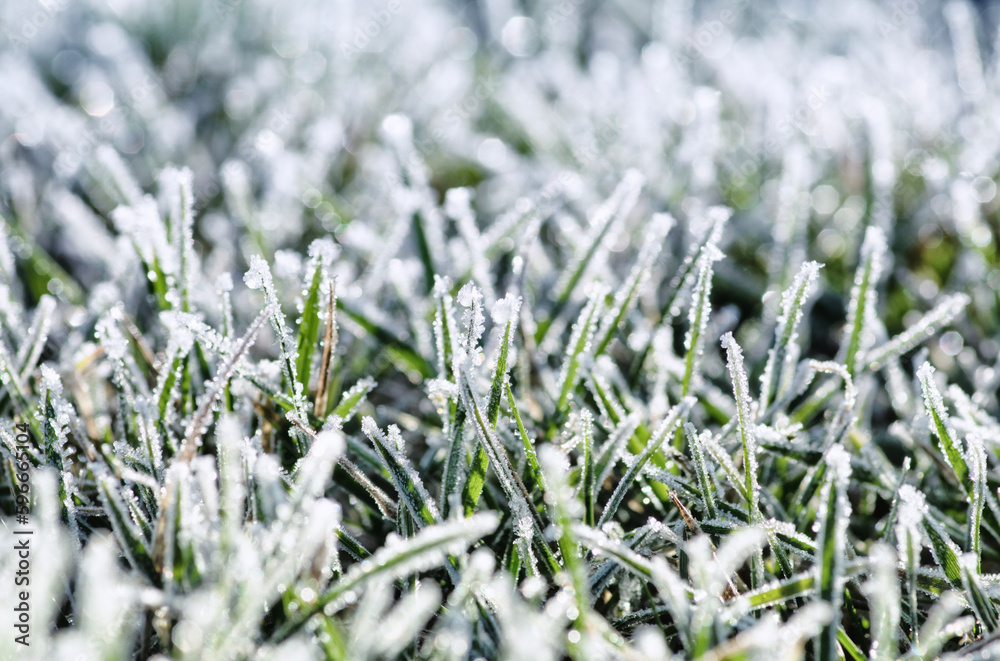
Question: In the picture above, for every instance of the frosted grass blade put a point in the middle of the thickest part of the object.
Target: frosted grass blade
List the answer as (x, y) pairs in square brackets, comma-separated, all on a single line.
[(511, 484), (861, 311), (976, 456), (607, 216), (706, 481), (566, 511), (831, 544), (579, 345), (408, 484), (882, 591), (176, 185), (625, 297), (748, 438), (701, 308), (31, 350), (259, 277), (943, 314), (135, 547), (588, 477), (783, 356), (198, 423), (529, 449), (912, 510), (666, 428), (941, 424), (428, 548)]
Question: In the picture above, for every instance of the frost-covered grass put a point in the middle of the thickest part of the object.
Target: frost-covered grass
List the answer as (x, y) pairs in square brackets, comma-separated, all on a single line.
[(578, 330)]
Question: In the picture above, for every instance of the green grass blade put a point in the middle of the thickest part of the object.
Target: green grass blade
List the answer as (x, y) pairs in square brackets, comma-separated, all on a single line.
[(529, 448), (625, 297), (352, 400), (407, 481), (748, 436), (476, 479), (701, 308), (428, 548), (861, 311), (454, 463), (851, 649), (609, 214), (831, 544), (309, 322), (783, 356), (706, 481), (444, 325), (982, 605), (505, 314), (588, 477), (579, 345), (941, 425), (666, 428), (945, 551), (386, 338)]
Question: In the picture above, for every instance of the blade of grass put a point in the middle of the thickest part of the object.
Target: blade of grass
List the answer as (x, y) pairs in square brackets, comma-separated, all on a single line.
[(701, 308), (426, 549), (783, 356), (861, 311), (748, 439), (329, 342), (529, 449), (938, 413), (587, 479), (831, 544), (625, 297), (579, 345), (408, 484), (609, 214), (666, 428)]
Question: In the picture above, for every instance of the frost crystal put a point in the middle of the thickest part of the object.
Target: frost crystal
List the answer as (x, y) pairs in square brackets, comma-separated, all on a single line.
[(912, 508), (259, 275), (505, 310)]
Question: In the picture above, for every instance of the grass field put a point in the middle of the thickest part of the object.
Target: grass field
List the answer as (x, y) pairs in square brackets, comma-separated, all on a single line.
[(499, 330)]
